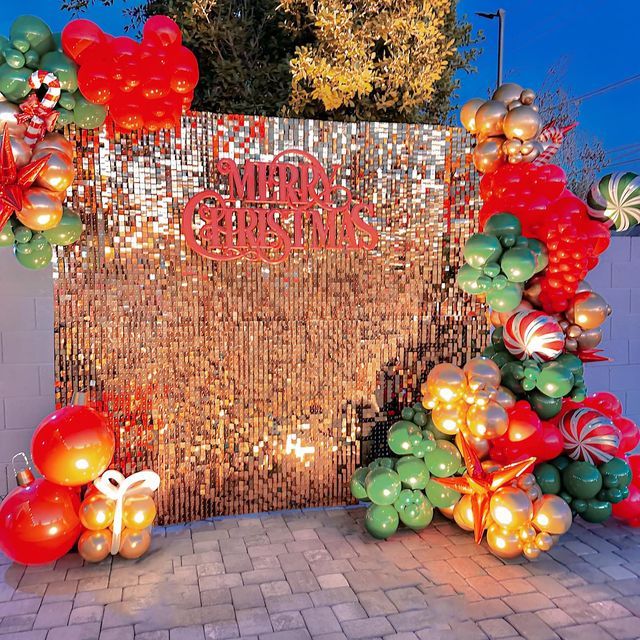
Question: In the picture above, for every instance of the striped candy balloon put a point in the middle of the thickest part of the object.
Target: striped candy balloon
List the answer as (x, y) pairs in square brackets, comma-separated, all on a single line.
[(589, 435), (533, 334), (616, 197)]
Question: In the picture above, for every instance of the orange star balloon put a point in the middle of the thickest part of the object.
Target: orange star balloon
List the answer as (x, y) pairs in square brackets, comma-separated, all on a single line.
[(481, 485)]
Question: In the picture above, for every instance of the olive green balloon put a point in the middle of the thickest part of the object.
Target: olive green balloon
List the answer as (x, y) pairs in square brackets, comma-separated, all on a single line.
[(540, 252), (436, 434), (35, 254), (14, 83), (543, 405), (439, 496), (408, 413), (403, 436), (65, 117), (421, 418), (67, 101), (582, 480), (555, 380), (57, 40), (512, 373), (414, 510), (413, 472), (86, 114), (381, 521), (561, 462), (480, 249), (383, 485), (505, 299), (387, 463), (615, 473), (518, 264), (67, 231), (503, 224), (571, 362), (548, 478), (597, 511), (444, 461), (501, 358), (7, 237), (63, 67), (14, 58), (467, 280), (424, 447), (34, 31), (22, 234), (32, 59), (358, 490)]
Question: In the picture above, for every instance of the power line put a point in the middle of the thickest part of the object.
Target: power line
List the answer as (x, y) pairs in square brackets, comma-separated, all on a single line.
[(624, 147), (599, 91), (617, 164)]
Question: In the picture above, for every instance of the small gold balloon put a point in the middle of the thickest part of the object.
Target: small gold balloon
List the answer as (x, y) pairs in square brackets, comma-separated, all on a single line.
[(447, 512), (574, 331), (504, 397), (481, 396), (522, 123), (527, 96), (544, 541), (511, 508), (57, 175), (489, 118), (571, 344), (463, 513), (536, 149), (526, 481), (468, 114), (511, 147), (479, 445), (590, 338), (487, 421), (95, 546), (551, 514), (514, 105), (482, 373), (515, 158), (507, 92), (21, 151), (55, 142), (488, 156), (8, 113), (503, 543), (133, 544), (534, 493), (531, 552), (138, 511), (527, 533), (446, 382), (588, 310), (97, 512), (583, 285), (41, 210)]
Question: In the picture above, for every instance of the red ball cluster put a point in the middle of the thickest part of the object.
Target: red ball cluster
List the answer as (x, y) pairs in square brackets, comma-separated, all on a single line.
[(145, 85), (549, 212)]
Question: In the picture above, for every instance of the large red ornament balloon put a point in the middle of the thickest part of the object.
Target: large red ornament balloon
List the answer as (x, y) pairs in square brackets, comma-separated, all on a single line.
[(73, 445), (39, 521)]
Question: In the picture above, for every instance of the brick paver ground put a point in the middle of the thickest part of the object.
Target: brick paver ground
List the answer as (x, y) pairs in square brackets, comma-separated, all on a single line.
[(317, 574)]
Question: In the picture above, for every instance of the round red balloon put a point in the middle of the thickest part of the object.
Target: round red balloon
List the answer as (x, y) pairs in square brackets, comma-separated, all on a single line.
[(78, 36), (162, 32), (629, 509)]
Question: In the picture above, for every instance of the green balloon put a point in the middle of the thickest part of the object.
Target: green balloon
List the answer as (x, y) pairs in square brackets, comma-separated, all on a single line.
[(358, 490), (436, 434), (7, 237), (518, 264), (480, 249), (403, 436), (444, 461), (67, 231), (439, 496), (561, 462), (381, 521), (421, 418), (501, 358), (505, 299), (387, 463), (35, 254), (512, 373), (67, 101), (548, 477), (540, 251), (22, 234), (408, 413), (582, 480), (596, 511), (32, 59), (615, 473), (57, 39), (413, 472), (14, 58), (383, 485), (503, 224), (14, 83), (571, 362), (555, 380), (33, 31), (86, 114), (424, 447), (467, 280), (414, 510), (65, 117), (64, 68), (543, 405)]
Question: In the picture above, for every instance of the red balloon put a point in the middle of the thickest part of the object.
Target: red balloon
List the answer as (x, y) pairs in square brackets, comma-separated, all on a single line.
[(550, 181), (629, 434), (185, 75), (634, 463), (552, 443), (94, 82), (606, 402), (523, 423), (78, 36), (161, 31), (629, 508), (123, 49), (39, 522)]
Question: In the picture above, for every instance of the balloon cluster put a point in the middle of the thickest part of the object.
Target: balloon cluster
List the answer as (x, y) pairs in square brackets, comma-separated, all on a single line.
[(615, 200), (144, 84)]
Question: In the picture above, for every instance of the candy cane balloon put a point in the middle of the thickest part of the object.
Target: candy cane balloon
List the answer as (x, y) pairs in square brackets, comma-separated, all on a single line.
[(37, 124), (552, 137)]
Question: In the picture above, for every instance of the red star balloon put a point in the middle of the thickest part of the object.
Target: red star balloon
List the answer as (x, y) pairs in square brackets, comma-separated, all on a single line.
[(481, 485), (14, 181)]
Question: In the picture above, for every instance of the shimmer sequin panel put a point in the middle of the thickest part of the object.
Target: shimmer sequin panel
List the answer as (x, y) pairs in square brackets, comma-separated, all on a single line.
[(251, 385)]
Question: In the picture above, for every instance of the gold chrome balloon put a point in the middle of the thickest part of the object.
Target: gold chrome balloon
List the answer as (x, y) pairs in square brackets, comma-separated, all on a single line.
[(55, 142), (488, 156), (449, 418), (446, 382), (551, 514), (97, 512), (511, 508), (588, 310), (21, 151), (504, 397), (41, 210), (489, 118), (530, 551), (479, 445), (534, 493), (447, 512), (8, 113), (512, 147), (95, 546), (504, 543), (583, 285), (138, 511), (526, 481), (133, 544), (57, 175), (507, 92), (527, 96), (468, 114), (487, 421), (482, 373), (590, 338), (522, 123), (527, 533), (463, 513), (544, 541)]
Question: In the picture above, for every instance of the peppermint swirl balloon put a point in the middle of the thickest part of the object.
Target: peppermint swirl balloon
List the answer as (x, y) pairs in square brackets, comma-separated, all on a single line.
[(533, 334), (616, 197), (589, 435)]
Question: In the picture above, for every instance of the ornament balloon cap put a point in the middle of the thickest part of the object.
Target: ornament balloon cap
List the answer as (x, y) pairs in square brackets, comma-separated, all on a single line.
[(24, 476)]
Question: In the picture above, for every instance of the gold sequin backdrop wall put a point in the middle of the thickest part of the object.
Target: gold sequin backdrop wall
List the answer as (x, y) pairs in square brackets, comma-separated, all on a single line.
[(249, 386)]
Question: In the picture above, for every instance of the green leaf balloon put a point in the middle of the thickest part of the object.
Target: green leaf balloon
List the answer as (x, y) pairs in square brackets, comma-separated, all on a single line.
[(86, 114), (64, 68), (615, 473), (34, 32), (503, 224), (439, 496), (444, 461), (555, 380), (518, 264), (480, 249), (403, 436), (35, 254), (506, 298), (14, 83)]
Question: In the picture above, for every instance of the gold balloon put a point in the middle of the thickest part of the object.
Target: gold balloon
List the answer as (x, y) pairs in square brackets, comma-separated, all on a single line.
[(463, 513), (57, 175), (133, 544), (527, 533), (507, 92), (590, 338), (489, 118), (446, 382), (447, 512), (571, 344), (21, 151), (527, 96), (583, 285), (95, 546), (479, 445), (511, 147), (488, 156), (526, 481), (55, 142), (138, 511), (468, 114), (487, 421), (573, 331), (41, 210), (530, 551), (504, 397), (536, 150), (97, 512), (504, 543), (588, 310), (522, 123), (449, 418), (482, 373), (8, 112), (511, 508), (544, 541), (534, 493), (551, 514), (514, 105)]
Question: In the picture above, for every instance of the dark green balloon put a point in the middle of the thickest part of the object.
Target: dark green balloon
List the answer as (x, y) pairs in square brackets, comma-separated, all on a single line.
[(67, 101), (596, 511), (7, 237), (480, 249), (512, 373), (561, 462), (548, 477), (543, 405), (571, 362), (381, 521), (467, 280), (615, 473), (35, 254), (421, 418), (65, 117), (439, 496), (540, 251), (444, 461), (14, 58), (67, 231), (403, 436), (408, 413), (383, 485), (387, 463), (34, 31), (506, 298), (86, 114), (518, 264), (14, 83), (358, 490), (57, 39), (582, 480), (503, 224), (414, 510), (413, 472), (64, 68), (501, 358), (32, 59), (555, 380)]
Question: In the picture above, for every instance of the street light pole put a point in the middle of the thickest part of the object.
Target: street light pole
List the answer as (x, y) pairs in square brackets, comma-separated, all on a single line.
[(500, 14)]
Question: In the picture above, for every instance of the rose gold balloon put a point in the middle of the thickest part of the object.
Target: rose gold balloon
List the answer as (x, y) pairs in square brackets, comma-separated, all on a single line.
[(21, 150), (468, 114), (41, 210), (574, 331), (507, 92), (138, 511), (583, 285), (514, 105), (446, 382), (55, 142), (489, 118), (588, 310), (133, 544), (522, 123), (527, 96), (544, 541), (571, 344), (511, 147), (482, 373), (488, 421), (463, 513), (551, 514), (504, 397), (534, 493), (488, 156), (511, 508), (590, 338), (503, 543), (57, 175), (97, 512), (95, 546), (8, 112)]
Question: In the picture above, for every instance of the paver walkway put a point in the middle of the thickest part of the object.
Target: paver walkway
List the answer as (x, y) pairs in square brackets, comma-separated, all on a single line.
[(316, 574)]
